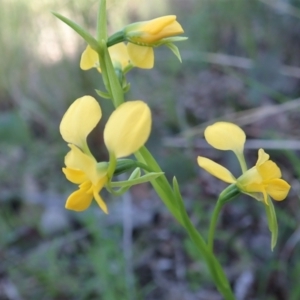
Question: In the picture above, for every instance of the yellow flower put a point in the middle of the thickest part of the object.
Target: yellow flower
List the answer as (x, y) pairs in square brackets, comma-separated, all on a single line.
[(127, 129), (118, 53), (142, 36), (260, 181), (148, 33)]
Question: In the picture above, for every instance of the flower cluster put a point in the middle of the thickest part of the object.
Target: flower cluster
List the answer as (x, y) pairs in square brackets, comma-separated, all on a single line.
[(141, 38), (260, 181), (126, 130)]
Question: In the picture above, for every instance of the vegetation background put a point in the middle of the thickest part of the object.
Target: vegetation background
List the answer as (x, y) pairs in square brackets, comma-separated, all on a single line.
[(241, 63)]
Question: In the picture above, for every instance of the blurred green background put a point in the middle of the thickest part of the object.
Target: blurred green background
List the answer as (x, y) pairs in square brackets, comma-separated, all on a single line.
[(241, 63)]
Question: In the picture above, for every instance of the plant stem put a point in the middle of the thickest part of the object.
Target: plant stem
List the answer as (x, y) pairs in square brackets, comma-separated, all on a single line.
[(213, 223), (228, 194)]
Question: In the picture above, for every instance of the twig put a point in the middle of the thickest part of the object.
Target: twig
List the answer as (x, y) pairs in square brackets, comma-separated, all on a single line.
[(234, 61)]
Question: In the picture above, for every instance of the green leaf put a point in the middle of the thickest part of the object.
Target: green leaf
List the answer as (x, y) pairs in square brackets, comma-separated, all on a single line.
[(217, 273), (130, 182), (103, 94), (83, 33), (108, 69), (272, 222), (174, 49), (125, 165), (126, 88)]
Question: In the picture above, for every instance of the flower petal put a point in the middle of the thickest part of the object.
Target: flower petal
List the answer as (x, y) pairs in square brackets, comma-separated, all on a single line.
[(215, 169), (262, 157), (76, 159), (150, 32), (141, 56), (128, 128), (156, 25), (89, 59), (251, 176), (255, 190), (75, 176), (269, 170), (278, 189), (79, 200), (79, 120), (119, 55), (100, 202), (225, 136)]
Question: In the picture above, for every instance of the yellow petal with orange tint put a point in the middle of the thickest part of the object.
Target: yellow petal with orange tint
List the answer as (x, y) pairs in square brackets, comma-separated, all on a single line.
[(150, 32)]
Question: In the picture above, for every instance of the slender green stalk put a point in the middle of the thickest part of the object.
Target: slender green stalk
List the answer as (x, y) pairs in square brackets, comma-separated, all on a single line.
[(101, 23), (213, 223), (160, 184), (228, 194), (217, 273)]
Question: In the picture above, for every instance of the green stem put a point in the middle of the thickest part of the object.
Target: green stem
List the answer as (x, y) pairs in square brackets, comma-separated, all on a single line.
[(116, 38), (228, 194), (176, 207), (213, 223), (217, 273), (160, 184), (101, 21)]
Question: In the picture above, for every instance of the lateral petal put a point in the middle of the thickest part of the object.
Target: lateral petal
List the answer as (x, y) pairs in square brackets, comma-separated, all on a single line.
[(278, 189), (215, 169), (269, 170), (141, 56), (75, 176), (100, 202), (76, 159), (79, 200)]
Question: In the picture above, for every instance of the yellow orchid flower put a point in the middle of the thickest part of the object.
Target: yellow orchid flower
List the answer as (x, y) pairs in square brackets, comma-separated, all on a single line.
[(149, 33), (260, 181), (118, 53), (127, 130), (142, 36)]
